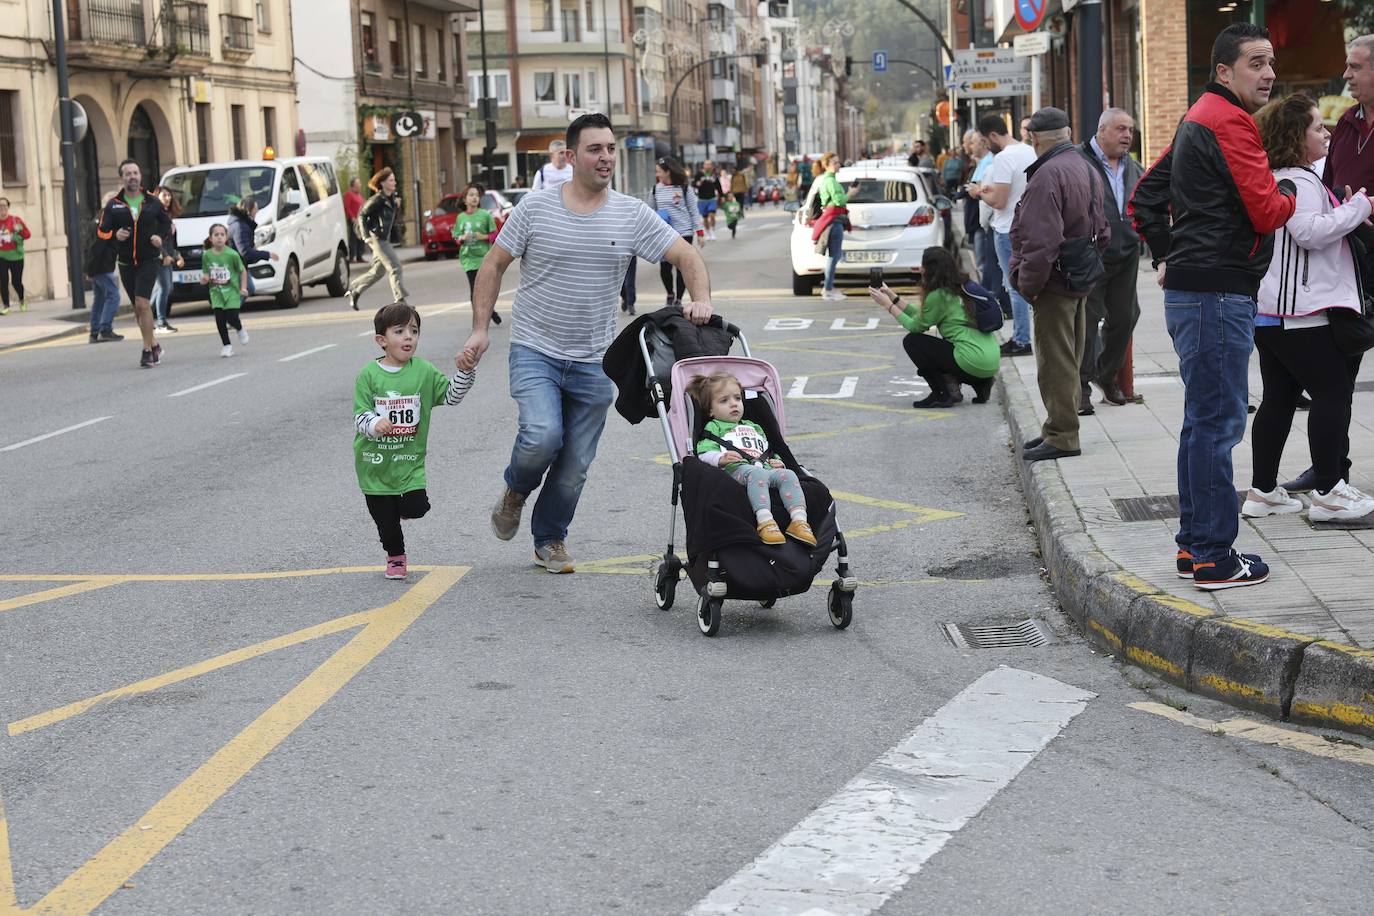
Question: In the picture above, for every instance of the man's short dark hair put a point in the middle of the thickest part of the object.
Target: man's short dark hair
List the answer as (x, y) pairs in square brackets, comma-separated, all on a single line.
[(992, 124), (395, 315), (1226, 49), (128, 162), (595, 119)]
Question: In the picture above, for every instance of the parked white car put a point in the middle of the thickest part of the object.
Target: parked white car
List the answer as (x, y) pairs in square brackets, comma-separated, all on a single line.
[(300, 219), (895, 214)]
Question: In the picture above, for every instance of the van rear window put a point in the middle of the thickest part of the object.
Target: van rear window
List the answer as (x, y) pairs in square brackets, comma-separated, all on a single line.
[(211, 192)]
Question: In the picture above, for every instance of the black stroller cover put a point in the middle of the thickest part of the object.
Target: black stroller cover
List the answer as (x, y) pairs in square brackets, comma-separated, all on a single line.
[(672, 336)]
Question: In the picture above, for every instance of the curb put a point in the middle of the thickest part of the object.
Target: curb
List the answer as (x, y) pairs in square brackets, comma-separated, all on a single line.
[(1284, 675)]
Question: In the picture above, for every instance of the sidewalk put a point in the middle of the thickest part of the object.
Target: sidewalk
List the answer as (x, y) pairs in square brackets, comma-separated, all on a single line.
[(47, 319), (1296, 647)]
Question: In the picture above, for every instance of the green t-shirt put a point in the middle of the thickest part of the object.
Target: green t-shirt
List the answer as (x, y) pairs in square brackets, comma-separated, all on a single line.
[(395, 463), (479, 223), (12, 233), (975, 351), (830, 192), (745, 437), (135, 202), (224, 270), (732, 210)]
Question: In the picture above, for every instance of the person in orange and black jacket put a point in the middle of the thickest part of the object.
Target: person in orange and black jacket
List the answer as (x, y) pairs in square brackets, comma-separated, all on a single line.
[(1208, 210), (137, 223)]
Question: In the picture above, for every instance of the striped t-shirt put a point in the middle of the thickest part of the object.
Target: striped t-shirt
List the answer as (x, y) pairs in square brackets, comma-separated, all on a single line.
[(681, 206), (572, 266)]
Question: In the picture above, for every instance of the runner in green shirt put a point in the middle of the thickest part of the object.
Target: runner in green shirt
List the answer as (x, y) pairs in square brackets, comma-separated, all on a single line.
[(222, 268), (392, 400), (733, 212), (474, 229)]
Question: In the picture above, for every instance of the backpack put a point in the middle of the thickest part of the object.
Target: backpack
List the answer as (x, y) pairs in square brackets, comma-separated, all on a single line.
[(987, 312)]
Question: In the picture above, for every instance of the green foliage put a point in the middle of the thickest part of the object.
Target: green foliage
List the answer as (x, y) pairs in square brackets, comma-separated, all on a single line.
[(1359, 15)]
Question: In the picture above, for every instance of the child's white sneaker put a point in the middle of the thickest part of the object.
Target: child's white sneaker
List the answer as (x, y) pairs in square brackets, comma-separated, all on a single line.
[(243, 336), (226, 350)]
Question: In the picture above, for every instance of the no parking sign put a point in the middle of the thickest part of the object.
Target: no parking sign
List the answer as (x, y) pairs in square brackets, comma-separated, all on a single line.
[(1030, 13)]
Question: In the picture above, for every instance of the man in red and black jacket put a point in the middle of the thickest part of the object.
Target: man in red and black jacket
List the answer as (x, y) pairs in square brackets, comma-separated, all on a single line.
[(1208, 209), (137, 223)]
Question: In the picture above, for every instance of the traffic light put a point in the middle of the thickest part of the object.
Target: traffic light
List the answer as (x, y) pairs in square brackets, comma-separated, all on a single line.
[(848, 65)]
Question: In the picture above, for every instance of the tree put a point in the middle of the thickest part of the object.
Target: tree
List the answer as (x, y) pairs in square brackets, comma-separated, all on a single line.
[(1359, 15)]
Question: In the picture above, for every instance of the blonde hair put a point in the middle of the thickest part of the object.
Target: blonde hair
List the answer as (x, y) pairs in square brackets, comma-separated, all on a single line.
[(824, 161), (703, 388)]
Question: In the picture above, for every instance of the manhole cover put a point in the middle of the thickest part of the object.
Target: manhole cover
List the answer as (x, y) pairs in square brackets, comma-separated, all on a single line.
[(1152, 508), (1031, 633)]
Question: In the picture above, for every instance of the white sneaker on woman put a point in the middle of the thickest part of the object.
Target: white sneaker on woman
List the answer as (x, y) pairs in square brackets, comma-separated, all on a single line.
[(1342, 503), (1258, 503)]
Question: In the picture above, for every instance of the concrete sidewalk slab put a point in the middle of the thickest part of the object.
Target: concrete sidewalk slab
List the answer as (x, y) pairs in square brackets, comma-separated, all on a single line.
[(1296, 646)]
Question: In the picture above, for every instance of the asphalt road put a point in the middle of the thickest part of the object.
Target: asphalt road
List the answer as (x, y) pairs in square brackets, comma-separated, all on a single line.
[(295, 734)]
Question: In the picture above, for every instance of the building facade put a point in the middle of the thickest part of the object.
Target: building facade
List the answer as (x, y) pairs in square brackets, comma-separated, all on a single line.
[(164, 82), (362, 62)]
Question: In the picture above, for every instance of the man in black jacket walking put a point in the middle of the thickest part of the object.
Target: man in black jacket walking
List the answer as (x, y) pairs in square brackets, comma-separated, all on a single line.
[(137, 223), (1114, 298), (1208, 210)]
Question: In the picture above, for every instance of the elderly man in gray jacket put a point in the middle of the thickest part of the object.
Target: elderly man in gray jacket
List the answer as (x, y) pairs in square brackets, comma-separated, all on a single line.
[(1114, 297), (1061, 214)]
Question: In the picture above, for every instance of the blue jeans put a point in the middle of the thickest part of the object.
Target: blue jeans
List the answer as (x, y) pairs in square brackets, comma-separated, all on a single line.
[(162, 294), (104, 301), (562, 408), (990, 270), (1020, 308), (836, 248), (1213, 334)]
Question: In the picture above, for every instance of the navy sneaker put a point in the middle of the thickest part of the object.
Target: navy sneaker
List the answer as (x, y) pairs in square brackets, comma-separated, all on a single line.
[(1232, 572), (1183, 560)]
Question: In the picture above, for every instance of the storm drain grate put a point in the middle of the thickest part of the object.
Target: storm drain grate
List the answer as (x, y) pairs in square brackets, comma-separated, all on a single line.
[(1153, 508), (1031, 633)]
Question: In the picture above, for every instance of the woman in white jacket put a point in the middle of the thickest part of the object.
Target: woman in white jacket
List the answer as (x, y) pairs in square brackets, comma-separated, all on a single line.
[(1312, 272)]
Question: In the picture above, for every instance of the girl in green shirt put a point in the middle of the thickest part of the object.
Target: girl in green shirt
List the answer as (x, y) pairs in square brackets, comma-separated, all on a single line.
[(222, 269), (962, 354), (474, 229)]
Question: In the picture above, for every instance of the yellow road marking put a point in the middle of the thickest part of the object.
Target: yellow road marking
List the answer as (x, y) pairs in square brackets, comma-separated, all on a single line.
[(106, 871), (88, 584), (844, 431), (832, 337), (789, 378), (187, 672), (929, 580), (197, 577), (1262, 733), (784, 348), (633, 565)]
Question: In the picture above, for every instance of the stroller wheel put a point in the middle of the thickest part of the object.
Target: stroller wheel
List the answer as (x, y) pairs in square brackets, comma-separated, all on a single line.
[(665, 585), (708, 615), (769, 603), (841, 607)]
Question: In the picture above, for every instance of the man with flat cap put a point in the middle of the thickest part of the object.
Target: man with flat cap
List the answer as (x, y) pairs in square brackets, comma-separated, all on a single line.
[(1058, 236)]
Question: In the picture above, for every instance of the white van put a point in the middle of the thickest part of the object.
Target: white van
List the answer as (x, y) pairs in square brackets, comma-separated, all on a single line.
[(300, 219)]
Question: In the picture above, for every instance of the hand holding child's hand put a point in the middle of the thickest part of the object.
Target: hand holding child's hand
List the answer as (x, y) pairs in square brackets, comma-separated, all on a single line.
[(384, 427)]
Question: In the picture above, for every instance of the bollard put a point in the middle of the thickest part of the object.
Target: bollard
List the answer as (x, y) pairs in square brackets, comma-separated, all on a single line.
[(1125, 378)]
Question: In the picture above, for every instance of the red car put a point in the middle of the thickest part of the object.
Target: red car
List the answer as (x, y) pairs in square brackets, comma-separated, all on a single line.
[(438, 232)]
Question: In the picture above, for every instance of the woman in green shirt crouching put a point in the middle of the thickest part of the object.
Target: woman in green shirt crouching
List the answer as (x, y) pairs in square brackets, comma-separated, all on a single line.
[(962, 354)]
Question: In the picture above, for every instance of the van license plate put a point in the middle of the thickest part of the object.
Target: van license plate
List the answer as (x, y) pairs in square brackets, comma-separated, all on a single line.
[(867, 257), (186, 276)]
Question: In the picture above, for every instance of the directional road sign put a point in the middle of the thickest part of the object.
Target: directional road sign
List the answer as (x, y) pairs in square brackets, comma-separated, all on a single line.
[(988, 73), (879, 61), (992, 87)]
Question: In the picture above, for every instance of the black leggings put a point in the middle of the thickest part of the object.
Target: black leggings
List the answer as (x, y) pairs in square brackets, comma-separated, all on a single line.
[(934, 359), (226, 319), (389, 511), (1293, 361), (665, 273), (11, 269), (472, 295)]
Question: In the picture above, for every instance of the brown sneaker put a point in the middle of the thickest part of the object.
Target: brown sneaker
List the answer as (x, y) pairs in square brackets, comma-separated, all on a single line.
[(770, 533), (505, 518), (801, 531), (554, 557)]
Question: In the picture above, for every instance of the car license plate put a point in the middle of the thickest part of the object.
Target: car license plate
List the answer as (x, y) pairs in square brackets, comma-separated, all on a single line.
[(867, 257), (186, 276)]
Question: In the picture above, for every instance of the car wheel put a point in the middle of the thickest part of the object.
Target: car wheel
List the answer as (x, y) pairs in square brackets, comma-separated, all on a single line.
[(290, 295), (802, 286), (337, 284)]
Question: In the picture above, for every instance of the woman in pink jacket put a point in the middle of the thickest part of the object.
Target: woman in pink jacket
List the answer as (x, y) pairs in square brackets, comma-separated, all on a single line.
[(1311, 278)]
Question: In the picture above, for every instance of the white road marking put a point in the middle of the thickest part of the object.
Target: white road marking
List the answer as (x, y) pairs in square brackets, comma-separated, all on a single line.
[(287, 359), (842, 324), (862, 845), (847, 387), (204, 385), (67, 429)]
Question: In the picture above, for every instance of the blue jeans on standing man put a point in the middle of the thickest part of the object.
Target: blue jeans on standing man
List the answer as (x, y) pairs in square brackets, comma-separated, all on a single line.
[(1020, 308), (104, 301), (562, 405), (836, 250), (1213, 335)]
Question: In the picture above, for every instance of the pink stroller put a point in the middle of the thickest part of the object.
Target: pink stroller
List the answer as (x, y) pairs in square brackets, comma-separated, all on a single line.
[(725, 557)]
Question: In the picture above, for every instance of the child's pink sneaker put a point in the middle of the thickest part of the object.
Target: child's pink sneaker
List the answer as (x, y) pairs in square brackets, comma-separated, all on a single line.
[(396, 567)]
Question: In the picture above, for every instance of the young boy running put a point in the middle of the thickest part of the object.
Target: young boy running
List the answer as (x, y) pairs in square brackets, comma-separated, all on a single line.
[(391, 404), (733, 211)]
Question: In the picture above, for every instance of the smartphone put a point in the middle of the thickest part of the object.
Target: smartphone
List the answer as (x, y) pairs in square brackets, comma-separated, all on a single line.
[(875, 277)]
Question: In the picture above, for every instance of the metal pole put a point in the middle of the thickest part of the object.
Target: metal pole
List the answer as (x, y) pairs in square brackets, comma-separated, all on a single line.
[(69, 212), (1087, 26), (1035, 83), (482, 105), (606, 53)]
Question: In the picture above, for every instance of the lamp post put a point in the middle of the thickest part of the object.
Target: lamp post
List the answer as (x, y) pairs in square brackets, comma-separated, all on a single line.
[(64, 115), (672, 100)]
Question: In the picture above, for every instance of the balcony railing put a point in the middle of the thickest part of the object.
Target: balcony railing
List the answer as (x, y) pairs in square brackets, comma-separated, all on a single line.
[(238, 34), (186, 26), (108, 21)]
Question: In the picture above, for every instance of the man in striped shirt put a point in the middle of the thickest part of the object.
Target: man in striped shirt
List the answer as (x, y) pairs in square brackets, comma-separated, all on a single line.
[(575, 243)]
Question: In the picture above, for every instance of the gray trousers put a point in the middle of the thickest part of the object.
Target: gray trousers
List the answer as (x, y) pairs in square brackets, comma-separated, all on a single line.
[(384, 261), (1115, 299)]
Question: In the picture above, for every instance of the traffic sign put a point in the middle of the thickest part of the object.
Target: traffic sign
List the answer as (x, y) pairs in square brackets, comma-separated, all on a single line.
[(949, 76), (992, 87), (1032, 44), (407, 124), (879, 61), (1030, 13), (990, 73)]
